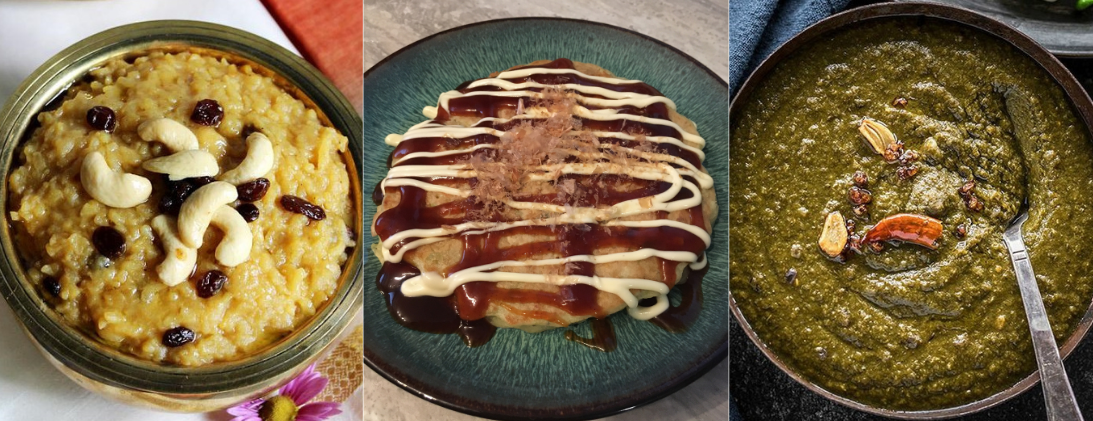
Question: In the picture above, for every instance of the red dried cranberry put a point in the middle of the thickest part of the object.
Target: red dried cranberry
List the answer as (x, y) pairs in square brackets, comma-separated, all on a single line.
[(207, 112), (109, 242), (176, 337), (253, 191), (249, 211), (298, 205), (102, 118), (210, 283), (52, 286), (961, 231)]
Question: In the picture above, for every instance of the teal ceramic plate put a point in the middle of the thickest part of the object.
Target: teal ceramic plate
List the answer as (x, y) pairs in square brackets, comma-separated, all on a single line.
[(520, 375)]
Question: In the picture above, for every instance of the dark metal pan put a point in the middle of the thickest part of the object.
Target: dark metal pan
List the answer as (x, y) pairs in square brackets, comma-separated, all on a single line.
[(1078, 98)]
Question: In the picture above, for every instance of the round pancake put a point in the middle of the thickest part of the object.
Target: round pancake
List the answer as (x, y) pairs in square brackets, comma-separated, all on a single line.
[(535, 317)]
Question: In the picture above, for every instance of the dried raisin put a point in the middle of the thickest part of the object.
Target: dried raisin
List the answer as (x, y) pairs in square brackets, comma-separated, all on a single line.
[(102, 118), (52, 286), (298, 205), (176, 337), (109, 242), (200, 181), (210, 283), (253, 191), (177, 192), (249, 211), (207, 112)]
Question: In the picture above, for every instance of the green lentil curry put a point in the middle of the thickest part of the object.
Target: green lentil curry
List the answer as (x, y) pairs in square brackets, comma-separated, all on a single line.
[(908, 328)]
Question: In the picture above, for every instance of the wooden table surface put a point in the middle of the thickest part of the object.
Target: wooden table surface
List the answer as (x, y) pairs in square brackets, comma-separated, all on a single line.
[(698, 27)]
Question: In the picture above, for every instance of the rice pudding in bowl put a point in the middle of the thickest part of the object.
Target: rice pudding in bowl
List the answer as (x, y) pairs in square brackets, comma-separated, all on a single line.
[(182, 218), (98, 264)]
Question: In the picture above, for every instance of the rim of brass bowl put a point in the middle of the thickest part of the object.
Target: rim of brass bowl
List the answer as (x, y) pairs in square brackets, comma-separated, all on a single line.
[(1079, 101), (100, 363)]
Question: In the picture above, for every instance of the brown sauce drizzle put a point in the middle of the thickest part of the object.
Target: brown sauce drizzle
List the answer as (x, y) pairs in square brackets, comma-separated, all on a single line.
[(480, 106), (603, 336), (427, 314), (377, 193), (475, 110), (680, 318), (464, 312)]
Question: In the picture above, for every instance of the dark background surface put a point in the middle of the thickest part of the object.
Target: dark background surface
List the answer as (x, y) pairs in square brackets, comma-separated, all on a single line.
[(762, 392)]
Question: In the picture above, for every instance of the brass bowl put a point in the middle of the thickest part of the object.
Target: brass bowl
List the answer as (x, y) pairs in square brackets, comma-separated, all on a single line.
[(105, 370), (1077, 96)]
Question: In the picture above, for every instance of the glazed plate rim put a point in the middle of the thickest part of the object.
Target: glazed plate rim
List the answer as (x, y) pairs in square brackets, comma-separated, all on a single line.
[(718, 352)]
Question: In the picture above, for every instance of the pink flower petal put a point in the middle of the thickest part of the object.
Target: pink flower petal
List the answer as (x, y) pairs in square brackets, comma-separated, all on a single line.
[(318, 411), (247, 418), (247, 408), (301, 383), (309, 391)]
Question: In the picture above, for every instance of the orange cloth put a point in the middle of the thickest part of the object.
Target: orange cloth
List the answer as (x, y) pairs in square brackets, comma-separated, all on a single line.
[(329, 35)]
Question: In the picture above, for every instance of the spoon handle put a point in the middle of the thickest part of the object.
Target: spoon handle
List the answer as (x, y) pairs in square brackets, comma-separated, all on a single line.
[(1058, 395)]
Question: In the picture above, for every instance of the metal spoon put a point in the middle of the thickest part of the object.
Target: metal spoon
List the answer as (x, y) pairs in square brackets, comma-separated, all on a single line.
[(1058, 395)]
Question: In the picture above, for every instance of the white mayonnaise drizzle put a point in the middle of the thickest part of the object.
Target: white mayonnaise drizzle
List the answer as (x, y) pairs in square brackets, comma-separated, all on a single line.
[(432, 129), (660, 167)]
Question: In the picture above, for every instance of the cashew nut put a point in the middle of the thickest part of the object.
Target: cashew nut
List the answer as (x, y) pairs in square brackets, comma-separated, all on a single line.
[(180, 260), (114, 189), (185, 164), (198, 209), (258, 162), (175, 135), (235, 247)]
